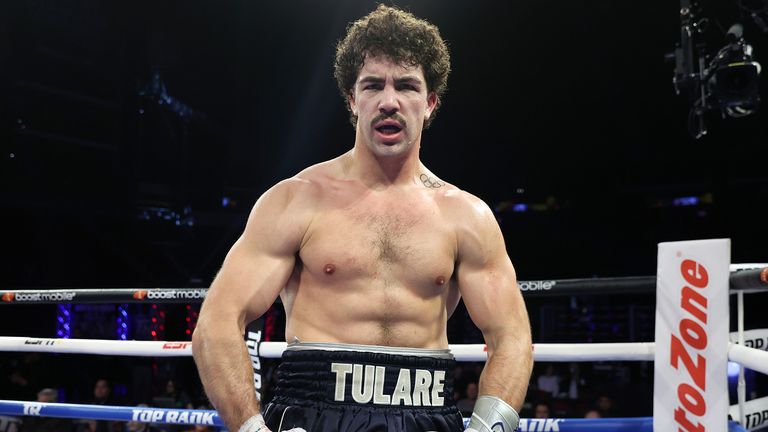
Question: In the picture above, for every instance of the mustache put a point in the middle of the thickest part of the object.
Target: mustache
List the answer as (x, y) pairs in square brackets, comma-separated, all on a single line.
[(395, 116)]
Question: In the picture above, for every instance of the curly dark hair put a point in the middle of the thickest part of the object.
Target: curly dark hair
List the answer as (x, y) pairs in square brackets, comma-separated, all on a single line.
[(403, 38)]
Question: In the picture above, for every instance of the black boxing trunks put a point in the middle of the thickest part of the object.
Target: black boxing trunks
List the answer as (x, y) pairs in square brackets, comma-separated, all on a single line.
[(362, 388)]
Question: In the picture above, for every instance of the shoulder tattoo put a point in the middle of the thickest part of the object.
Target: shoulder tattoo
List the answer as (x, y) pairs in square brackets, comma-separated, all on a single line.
[(430, 182)]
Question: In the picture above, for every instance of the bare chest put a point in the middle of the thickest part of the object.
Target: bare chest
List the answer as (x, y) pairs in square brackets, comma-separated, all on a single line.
[(406, 242)]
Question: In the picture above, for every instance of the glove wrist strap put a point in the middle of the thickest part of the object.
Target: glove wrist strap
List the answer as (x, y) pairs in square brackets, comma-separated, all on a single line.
[(492, 414), (253, 424)]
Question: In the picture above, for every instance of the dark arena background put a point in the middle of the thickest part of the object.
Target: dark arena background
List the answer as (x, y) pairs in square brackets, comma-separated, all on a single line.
[(137, 135)]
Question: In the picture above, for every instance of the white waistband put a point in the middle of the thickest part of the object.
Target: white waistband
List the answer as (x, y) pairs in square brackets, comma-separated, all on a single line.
[(378, 349)]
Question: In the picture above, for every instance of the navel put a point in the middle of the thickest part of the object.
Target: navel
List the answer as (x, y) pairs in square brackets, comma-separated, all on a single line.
[(329, 269), (440, 280)]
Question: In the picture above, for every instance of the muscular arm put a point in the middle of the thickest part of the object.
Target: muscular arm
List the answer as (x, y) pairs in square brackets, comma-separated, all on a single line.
[(252, 276), (488, 285)]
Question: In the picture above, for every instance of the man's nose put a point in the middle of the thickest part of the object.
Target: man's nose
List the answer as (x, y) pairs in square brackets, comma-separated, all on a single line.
[(389, 103)]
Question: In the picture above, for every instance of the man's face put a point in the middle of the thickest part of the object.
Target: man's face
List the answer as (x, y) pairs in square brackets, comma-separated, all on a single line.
[(541, 411), (101, 390), (45, 396), (604, 403), (391, 103), (472, 391)]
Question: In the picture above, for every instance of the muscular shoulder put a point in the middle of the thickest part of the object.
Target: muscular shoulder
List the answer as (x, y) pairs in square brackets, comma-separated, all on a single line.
[(466, 209), (287, 208), (477, 233), (283, 213), (292, 194), (302, 191), (462, 209)]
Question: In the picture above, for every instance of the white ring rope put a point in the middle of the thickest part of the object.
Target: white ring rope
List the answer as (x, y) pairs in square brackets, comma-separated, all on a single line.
[(749, 357), (746, 266), (631, 351)]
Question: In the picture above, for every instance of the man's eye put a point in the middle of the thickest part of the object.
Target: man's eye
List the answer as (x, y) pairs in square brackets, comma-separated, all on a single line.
[(372, 87)]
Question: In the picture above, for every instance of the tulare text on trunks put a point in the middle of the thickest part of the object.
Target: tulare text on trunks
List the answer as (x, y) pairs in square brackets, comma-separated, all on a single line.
[(414, 387)]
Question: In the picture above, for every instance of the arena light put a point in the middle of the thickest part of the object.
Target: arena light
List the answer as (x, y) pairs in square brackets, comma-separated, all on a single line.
[(122, 322), (64, 321), (685, 201)]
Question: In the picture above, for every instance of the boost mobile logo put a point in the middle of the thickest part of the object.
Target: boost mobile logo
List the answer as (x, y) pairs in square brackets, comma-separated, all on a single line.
[(39, 296), (537, 285), (159, 294)]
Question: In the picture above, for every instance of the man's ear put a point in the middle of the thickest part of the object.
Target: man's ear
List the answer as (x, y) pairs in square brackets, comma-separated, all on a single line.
[(352, 103), (431, 103)]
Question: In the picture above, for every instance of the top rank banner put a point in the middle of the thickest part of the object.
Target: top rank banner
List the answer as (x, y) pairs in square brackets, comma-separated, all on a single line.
[(690, 384), (253, 338)]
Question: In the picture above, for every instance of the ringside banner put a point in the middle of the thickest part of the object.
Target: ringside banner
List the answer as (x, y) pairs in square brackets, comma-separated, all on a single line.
[(691, 388), (253, 338), (755, 413)]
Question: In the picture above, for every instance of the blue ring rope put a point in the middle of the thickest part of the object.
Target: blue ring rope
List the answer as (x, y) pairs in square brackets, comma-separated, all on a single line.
[(210, 417)]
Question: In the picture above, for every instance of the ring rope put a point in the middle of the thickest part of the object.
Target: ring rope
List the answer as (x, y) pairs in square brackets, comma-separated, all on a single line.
[(209, 417), (462, 352), (628, 351), (748, 278), (107, 412), (744, 278), (749, 357)]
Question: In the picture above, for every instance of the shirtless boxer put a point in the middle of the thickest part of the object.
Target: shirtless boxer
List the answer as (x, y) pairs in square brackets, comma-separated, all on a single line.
[(370, 253)]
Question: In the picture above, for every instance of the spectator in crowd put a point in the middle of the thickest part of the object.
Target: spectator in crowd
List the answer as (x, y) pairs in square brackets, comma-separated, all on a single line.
[(592, 414), (102, 392), (172, 396), (179, 398), (541, 410), (456, 395), (17, 387), (467, 404), (549, 382), (606, 407), (460, 381), (46, 424), (102, 395), (23, 377), (134, 426), (575, 381)]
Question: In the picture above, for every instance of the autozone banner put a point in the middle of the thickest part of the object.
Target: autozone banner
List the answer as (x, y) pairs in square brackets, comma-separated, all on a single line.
[(690, 384)]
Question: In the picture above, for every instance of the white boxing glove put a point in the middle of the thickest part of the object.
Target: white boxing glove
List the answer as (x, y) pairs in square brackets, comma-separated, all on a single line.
[(256, 424), (492, 414)]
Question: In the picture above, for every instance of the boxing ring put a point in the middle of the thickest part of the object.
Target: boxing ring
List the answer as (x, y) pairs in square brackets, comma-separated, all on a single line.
[(744, 279)]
